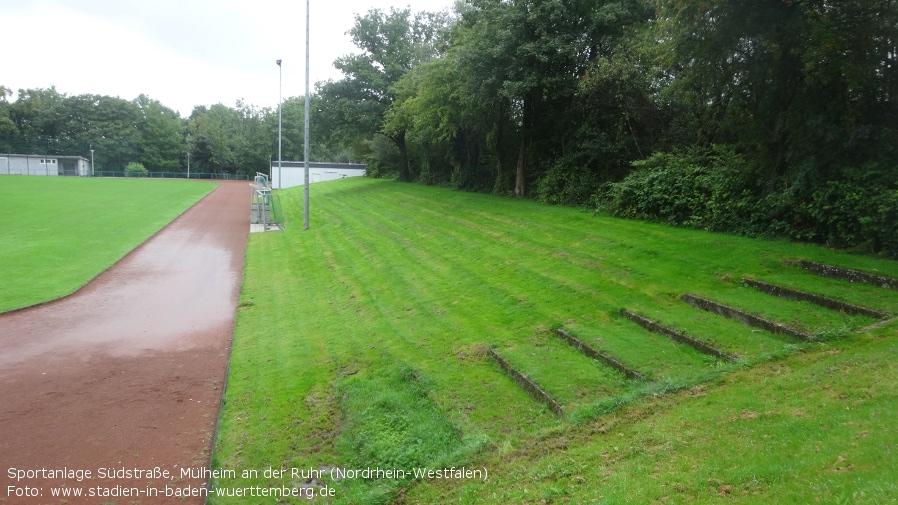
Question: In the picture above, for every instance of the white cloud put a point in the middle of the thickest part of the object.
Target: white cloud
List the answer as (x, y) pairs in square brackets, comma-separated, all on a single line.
[(180, 52)]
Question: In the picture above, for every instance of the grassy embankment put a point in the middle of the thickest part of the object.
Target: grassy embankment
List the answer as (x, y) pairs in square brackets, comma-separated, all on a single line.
[(59, 233), (363, 343)]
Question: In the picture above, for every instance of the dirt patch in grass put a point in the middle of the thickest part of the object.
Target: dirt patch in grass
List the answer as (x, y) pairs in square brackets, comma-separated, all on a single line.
[(472, 353)]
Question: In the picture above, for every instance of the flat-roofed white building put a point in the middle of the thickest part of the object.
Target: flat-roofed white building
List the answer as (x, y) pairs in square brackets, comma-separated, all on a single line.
[(45, 164), (292, 173)]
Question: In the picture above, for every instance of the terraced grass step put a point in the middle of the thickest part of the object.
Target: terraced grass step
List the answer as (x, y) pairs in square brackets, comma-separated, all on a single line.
[(846, 274), (724, 334), (599, 355), (570, 377), (745, 317), (527, 384), (822, 301), (677, 336), (803, 316), (655, 357)]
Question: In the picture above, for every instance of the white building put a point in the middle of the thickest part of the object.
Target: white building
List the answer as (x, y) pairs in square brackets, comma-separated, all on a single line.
[(292, 173), (44, 164)]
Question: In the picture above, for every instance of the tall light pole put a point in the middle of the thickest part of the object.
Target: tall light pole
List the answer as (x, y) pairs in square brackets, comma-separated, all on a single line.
[(306, 212), (280, 88), (91, 161), (188, 164)]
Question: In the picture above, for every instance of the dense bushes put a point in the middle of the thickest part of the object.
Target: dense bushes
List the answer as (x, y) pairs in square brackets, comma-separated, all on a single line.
[(709, 190), (135, 169), (858, 210), (718, 190), (567, 183)]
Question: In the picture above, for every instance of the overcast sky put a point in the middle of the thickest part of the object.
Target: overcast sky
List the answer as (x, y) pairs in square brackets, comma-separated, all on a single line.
[(180, 52)]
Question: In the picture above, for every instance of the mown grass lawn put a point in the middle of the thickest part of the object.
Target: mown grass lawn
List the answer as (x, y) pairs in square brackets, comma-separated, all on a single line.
[(58, 233), (363, 343)]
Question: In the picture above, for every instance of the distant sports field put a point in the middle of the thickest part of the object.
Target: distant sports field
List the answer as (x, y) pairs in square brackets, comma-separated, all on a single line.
[(59, 233), (368, 342)]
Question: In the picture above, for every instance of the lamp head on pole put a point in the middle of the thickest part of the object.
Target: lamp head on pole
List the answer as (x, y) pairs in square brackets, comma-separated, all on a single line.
[(279, 62)]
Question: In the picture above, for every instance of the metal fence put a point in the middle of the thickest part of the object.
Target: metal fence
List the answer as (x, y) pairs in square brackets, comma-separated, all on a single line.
[(174, 175)]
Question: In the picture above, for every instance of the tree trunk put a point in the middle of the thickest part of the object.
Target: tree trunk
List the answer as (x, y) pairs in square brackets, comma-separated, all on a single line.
[(499, 187), (520, 183), (500, 158), (399, 139)]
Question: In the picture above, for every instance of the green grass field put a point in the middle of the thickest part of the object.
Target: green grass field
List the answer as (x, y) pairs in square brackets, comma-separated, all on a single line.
[(363, 343), (59, 233)]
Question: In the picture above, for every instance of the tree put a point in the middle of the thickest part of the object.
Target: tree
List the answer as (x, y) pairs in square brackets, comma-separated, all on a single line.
[(214, 135), (800, 82), (807, 90), (7, 127), (451, 130), (109, 124), (257, 138), (619, 111), (293, 127), (392, 43), (160, 139), (527, 57), (30, 114)]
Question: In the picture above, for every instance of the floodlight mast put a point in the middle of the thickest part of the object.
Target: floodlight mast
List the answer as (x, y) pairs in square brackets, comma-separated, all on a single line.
[(280, 93), (306, 211)]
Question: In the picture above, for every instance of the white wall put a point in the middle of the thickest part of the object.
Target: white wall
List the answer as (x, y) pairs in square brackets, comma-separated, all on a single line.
[(84, 168), (36, 164), (295, 176)]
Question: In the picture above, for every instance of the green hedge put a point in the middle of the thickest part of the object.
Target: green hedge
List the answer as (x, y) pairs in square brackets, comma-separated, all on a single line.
[(717, 190)]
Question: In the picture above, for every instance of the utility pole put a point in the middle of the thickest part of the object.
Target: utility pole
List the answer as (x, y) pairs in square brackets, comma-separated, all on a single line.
[(280, 89), (306, 211)]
